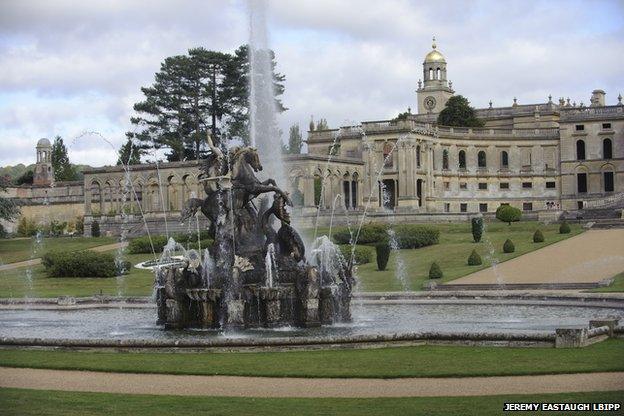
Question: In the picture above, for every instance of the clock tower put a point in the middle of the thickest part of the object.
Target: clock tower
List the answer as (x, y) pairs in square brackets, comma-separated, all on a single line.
[(436, 90)]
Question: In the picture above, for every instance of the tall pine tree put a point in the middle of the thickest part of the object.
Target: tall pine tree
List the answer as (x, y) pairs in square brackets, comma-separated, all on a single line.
[(129, 153), (63, 170), (204, 91), (295, 140)]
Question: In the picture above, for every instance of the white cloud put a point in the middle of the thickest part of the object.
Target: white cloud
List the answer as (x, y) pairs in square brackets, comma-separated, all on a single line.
[(69, 66)]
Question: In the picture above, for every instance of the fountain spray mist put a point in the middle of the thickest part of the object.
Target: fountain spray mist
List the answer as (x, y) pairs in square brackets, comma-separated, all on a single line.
[(263, 129)]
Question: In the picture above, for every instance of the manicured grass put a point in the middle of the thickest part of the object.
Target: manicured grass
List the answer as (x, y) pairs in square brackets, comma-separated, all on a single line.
[(616, 286), (19, 249), (14, 283), (453, 250), (451, 254), (45, 402), (417, 361)]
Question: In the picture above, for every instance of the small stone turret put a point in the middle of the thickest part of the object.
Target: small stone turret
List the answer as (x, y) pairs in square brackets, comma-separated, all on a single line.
[(597, 98), (44, 172)]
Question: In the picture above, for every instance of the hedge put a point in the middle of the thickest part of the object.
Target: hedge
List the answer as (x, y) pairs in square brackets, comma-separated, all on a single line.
[(140, 245), (408, 235), (361, 255), (82, 264)]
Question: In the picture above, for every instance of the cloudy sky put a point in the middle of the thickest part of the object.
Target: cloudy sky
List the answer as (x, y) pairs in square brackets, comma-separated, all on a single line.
[(67, 66)]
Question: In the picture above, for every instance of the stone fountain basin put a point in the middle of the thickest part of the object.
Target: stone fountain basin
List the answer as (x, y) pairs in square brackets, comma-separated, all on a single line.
[(441, 320)]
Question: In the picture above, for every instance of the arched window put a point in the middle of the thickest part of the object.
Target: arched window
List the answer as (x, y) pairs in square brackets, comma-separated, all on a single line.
[(387, 155), (504, 159), (438, 73), (481, 159), (445, 159), (580, 150), (607, 149), (462, 159), (418, 156), (430, 73)]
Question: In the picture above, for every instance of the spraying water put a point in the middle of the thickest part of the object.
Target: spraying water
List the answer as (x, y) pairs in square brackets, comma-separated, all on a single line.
[(270, 265), (263, 129)]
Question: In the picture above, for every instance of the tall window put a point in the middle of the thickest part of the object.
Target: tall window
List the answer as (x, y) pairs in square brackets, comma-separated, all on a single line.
[(608, 181), (418, 156), (607, 149), (445, 159), (462, 159), (430, 73), (581, 183), (481, 159), (504, 159), (387, 154), (438, 73), (580, 150)]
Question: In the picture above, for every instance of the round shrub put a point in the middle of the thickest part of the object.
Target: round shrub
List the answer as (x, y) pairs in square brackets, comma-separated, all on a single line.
[(538, 237), (508, 246), (564, 228), (434, 271), (361, 255), (477, 228), (95, 229), (82, 264), (508, 214), (474, 259), (383, 255)]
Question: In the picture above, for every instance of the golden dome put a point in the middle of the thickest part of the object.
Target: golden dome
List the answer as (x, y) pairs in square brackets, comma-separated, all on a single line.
[(434, 55)]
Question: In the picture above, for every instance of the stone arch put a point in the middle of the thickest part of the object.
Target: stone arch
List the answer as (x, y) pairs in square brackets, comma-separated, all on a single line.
[(607, 177), (582, 180), (95, 190)]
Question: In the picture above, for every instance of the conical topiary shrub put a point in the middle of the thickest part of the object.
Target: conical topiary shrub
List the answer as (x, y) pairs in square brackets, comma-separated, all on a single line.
[(477, 228), (383, 255), (538, 237), (474, 259), (508, 246), (434, 271), (564, 228)]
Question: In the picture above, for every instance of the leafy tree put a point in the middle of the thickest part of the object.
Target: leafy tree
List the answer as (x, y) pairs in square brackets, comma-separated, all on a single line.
[(322, 124), (8, 209), (508, 214), (129, 153), (459, 113), (295, 140), (311, 126), (63, 170), (26, 178), (203, 91)]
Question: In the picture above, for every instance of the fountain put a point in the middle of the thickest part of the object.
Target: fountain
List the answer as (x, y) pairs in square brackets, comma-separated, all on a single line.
[(260, 276)]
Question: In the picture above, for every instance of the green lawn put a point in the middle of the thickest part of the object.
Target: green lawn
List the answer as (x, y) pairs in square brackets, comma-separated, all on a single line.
[(14, 283), (19, 249), (451, 254), (416, 361), (41, 402), (453, 250), (616, 286)]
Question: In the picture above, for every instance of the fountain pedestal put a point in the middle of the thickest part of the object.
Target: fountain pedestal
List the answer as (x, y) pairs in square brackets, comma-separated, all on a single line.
[(208, 301), (309, 298), (270, 304)]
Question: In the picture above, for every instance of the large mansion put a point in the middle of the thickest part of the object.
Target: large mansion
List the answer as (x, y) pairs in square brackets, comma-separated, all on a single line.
[(553, 156)]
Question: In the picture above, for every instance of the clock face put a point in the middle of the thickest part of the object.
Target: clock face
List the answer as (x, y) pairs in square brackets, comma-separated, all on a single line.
[(430, 103)]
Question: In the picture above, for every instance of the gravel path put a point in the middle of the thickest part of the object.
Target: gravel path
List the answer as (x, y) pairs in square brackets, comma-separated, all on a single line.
[(34, 262), (163, 384), (589, 257)]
